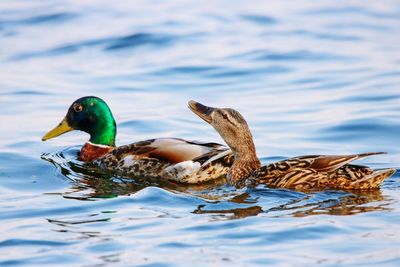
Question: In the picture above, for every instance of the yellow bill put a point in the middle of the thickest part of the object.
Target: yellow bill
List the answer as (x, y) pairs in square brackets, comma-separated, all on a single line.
[(63, 127)]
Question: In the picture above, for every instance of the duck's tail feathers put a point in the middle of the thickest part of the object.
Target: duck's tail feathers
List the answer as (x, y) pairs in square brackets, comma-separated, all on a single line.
[(373, 180), (362, 155), (328, 163)]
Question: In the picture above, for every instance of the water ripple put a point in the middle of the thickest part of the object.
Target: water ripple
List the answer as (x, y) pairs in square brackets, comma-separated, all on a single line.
[(109, 44), (353, 10), (52, 18), (140, 39), (259, 19), (298, 56)]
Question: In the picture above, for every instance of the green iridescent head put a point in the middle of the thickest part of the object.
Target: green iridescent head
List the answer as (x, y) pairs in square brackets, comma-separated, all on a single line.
[(91, 115)]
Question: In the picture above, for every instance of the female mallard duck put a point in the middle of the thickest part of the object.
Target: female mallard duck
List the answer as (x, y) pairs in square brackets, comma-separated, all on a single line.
[(170, 158), (300, 173)]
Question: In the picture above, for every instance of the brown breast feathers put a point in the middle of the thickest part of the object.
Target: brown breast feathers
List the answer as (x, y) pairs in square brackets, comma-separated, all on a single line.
[(90, 152)]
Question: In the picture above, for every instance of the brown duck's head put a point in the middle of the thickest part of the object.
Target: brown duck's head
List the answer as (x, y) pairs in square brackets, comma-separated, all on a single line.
[(233, 128)]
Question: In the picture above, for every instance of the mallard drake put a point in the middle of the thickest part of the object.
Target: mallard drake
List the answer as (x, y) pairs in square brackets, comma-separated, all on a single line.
[(170, 158), (315, 172)]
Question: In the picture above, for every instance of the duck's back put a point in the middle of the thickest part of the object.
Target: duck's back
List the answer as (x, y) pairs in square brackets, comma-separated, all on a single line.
[(319, 172), (171, 158)]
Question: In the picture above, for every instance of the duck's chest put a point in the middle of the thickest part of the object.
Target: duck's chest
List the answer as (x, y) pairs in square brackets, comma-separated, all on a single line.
[(90, 152)]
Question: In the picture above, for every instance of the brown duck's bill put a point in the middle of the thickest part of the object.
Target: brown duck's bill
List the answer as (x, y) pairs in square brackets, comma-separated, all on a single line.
[(201, 110), (61, 128)]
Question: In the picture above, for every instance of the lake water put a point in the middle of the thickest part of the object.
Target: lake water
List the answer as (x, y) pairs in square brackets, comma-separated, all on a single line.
[(310, 77)]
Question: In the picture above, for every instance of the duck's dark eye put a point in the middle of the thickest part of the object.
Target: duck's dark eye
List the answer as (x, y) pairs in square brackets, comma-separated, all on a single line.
[(230, 118), (226, 117), (77, 107)]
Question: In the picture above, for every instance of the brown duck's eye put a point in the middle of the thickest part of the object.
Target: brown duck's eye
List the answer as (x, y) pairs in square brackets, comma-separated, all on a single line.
[(226, 117), (77, 107)]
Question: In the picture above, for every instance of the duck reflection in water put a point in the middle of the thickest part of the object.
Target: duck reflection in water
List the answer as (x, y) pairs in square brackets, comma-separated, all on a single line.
[(329, 203)]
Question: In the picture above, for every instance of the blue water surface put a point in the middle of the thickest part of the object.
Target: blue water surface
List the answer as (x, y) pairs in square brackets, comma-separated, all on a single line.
[(311, 77)]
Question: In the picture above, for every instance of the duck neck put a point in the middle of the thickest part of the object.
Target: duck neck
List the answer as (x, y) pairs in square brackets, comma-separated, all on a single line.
[(102, 139), (104, 133), (246, 162)]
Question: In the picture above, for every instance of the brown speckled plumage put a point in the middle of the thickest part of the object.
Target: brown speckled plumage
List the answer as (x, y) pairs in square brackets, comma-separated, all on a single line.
[(303, 173), (316, 172), (146, 159)]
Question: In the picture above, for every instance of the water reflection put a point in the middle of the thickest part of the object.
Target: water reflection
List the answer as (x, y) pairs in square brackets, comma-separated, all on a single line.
[(351, 204), (235, 213), (343, 205)]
